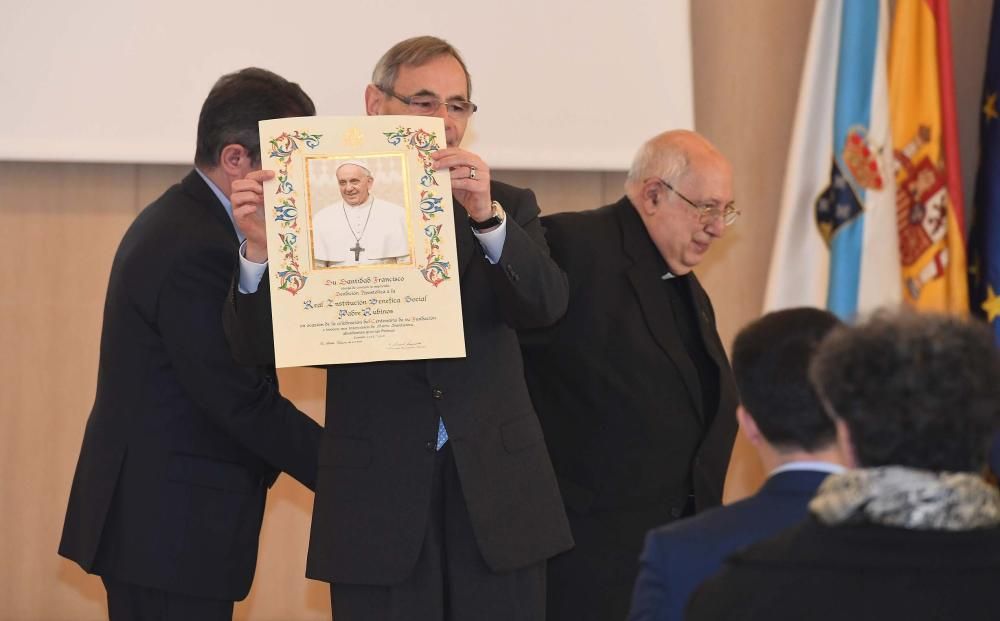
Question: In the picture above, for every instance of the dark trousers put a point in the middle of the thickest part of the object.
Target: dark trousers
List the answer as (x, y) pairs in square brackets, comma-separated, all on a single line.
[(451, 581), (131, 602)]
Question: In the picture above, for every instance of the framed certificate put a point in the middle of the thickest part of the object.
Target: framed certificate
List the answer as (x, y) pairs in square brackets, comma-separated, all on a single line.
[(361, 241)]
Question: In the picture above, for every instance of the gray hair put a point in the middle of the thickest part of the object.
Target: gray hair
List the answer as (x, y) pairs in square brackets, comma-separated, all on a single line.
[(666, 156), (415, 51)]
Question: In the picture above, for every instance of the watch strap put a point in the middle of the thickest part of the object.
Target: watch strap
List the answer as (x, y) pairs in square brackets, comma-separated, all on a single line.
[(495, 220)]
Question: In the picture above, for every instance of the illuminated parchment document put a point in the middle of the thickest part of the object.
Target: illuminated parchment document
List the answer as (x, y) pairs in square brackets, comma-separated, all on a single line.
[(361, 241)]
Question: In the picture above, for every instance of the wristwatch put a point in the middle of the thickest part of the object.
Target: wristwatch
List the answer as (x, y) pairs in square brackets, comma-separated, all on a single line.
[(496, 219)]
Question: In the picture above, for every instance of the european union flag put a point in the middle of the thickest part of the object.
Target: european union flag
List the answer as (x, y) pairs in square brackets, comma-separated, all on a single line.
[(984, 247)]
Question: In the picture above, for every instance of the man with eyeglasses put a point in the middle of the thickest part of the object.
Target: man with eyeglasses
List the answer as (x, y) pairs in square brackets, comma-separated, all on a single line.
[(435, 497), (632, 386)]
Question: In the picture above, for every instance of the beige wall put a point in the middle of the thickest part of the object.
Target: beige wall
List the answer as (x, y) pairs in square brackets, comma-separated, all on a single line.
[(65, 220)]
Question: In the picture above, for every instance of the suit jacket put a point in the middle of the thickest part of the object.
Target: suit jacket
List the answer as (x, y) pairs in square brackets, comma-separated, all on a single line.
[(378, 449), (861, 572), (679, 556), (182, 443), (620, 403)]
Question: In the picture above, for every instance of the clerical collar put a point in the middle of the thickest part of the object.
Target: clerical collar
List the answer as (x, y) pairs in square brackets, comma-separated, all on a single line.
[(668, 276)]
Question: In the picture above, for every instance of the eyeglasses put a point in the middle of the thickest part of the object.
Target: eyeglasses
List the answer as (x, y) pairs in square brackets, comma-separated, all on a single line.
[(707, 212), (426, 105)]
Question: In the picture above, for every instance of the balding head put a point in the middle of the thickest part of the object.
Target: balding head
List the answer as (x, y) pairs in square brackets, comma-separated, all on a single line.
[(669, 168), (668, 155)]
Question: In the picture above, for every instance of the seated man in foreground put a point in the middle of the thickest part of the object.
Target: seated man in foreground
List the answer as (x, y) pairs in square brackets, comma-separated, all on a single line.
[(784, 421)]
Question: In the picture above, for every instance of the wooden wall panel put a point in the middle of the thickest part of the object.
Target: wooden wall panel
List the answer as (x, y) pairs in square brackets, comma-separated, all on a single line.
[(747, 61), (64, 222)]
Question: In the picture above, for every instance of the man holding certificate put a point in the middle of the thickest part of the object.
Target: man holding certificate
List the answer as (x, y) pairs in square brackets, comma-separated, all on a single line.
[(435, 498)]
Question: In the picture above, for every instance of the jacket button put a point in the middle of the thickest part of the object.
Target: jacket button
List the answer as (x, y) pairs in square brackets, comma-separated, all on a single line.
[(437, 393), (429, 446), (675, 512)]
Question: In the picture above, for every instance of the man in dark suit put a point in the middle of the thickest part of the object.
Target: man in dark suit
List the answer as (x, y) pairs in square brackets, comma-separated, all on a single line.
[(782, 418), (632, 387), (182, 443), (436, 498)]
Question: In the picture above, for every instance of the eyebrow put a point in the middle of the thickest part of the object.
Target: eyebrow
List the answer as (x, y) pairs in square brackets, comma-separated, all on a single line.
[(428, 93)]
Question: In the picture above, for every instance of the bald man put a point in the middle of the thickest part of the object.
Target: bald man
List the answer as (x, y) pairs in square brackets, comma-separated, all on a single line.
[(360, 228), (632, 387)]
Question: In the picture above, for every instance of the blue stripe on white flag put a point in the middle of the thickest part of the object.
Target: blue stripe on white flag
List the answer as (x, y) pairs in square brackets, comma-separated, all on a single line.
[(855, 70)]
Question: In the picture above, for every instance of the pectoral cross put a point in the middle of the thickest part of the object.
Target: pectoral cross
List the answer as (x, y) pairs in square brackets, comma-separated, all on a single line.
[(357, 249)]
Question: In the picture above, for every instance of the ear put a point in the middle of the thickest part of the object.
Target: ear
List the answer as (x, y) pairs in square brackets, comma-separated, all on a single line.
[(845, 444), (234, 160), (373, 100), (649, 197), (748, 426)]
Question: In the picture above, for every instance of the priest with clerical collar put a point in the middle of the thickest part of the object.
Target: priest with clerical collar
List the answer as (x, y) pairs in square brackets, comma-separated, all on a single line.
[(361, 228)]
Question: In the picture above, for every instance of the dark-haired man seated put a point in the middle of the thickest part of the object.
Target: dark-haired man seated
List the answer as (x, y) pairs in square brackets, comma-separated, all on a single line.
[(781, 417)]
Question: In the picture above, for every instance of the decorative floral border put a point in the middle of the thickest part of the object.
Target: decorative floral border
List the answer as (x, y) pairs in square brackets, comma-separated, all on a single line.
[(437, 267), (286, 214)]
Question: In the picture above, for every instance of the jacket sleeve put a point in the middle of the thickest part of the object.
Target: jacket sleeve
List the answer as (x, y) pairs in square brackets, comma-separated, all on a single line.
[(242, 400), (530, 288), (651, 596), (246, 319)]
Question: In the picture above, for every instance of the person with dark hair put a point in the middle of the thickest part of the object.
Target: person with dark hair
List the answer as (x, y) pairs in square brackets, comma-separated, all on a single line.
[(912, 531), (183, 443), (436, 498), (782, 418), (632, 387)]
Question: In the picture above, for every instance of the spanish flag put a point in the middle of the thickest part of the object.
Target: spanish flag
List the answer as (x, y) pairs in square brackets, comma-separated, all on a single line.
[(929, 201)]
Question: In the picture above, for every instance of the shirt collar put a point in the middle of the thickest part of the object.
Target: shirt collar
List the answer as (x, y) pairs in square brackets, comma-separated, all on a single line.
[(820, 466)]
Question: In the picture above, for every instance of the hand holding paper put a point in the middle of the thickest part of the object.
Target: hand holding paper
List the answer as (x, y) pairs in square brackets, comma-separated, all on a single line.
[(470, 180), (248, 212)]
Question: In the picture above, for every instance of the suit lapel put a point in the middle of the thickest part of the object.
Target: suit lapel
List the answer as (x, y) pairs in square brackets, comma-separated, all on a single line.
[(706, 326), (196, 187), (652, 297), (706, 329)]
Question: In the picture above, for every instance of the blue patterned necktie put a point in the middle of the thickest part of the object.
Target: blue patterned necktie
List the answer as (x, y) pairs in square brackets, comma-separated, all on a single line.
[(442, 434)]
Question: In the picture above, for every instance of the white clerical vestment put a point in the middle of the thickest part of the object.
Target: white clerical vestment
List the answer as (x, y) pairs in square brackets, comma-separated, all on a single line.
[(346, 235)]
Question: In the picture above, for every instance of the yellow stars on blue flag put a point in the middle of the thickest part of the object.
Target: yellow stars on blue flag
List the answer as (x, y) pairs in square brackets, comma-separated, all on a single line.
[(990, 107)]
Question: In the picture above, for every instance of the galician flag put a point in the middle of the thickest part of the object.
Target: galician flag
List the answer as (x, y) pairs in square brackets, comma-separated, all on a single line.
[(837, 244)]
